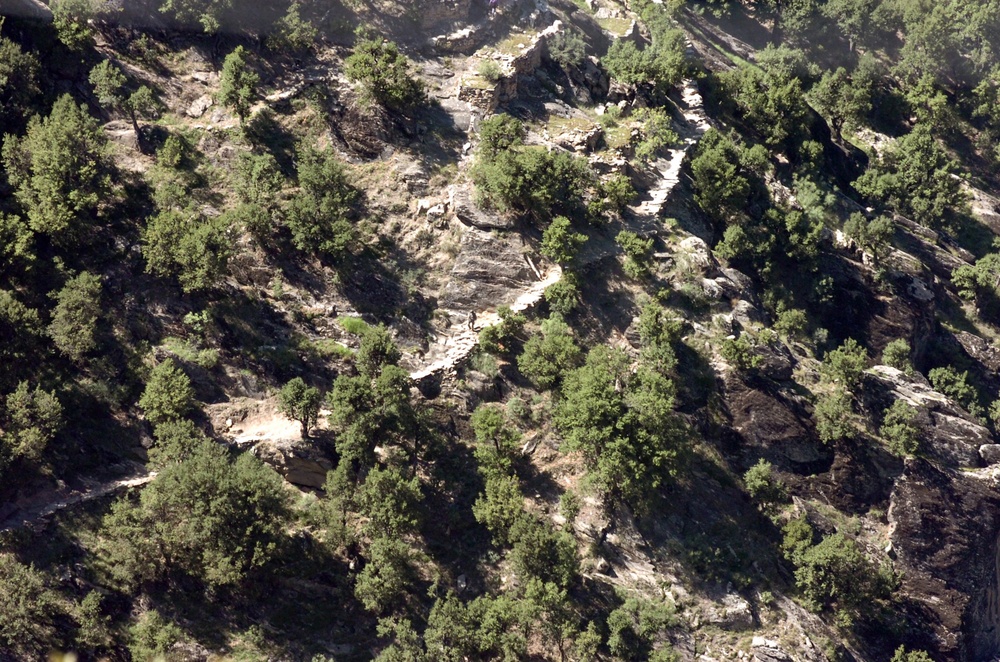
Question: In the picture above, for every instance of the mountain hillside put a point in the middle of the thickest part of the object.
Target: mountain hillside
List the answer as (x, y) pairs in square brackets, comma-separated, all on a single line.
[(577, 330)]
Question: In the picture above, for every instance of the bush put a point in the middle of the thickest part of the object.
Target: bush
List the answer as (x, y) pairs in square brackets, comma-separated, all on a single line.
[(955, 385), (638, 252), (845, 364), (567, 48), (490, 71), (833, 416), (152, 636), (549, 353), (871, 235), (563, 296), (657, 132), (319, 214), (383, 73), (29, 608), (189, 247), (896, 354), (238, 83), (31, 419), (168, 395), (559, 243), (499, 339), (74, 319), (300, 402), (762, 486), (899, 429), (741, 353), (292, 32)]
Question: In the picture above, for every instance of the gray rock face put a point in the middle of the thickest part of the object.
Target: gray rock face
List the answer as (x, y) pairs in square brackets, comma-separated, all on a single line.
[(466, 210), (945, 526), (765, 650), (990, 453), (486, 270), (297, 461), (949, 433), (734, 613)]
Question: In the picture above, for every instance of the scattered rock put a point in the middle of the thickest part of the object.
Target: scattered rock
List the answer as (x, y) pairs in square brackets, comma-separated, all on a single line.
[(466, 210), (733, 613)]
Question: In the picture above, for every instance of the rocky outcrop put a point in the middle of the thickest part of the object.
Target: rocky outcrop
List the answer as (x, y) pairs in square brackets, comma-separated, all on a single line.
[(944, 530), (486, 270), (948, 433), (765, 650), (298, 461), (462, 202)]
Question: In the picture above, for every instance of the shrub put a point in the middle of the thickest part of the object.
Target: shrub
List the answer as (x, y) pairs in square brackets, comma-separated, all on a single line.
[(238, 83), (955, 385), (563, 296), (377, 350), (300, 402), (638, 251), (896, 354), (902, 655), (567, 48), (490, 71), (634, 626), (319, 215), (499, 133), (549, 353), (872, 235), (762, 486), (845, 364), (152, 636), (32, 418), (29, 608), (899, 429), (741, 353), (168, 395), (184, 245), (292, 32), (383, 73), (497, 441), (386, 575), (499, 339), (792, 323), (74, 319), (559, 243), (833, 416), (657, 132)]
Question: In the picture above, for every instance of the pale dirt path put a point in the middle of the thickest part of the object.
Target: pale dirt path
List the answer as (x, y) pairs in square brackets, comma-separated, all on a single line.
[(30, 513)]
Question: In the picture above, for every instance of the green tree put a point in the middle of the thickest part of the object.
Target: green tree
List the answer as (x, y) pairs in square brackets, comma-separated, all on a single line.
[(390, 502), (185, 245), (902, 655), (955, 385), (29, 608), (662, 64), (74, 320), (500, 506), (638, 251), (498, 339), (257, 183), (376, 351), (497, 440), (657, 132), (94, 632), (563, 296), (20, 331), (71, 19), (914, 177), (109, 85), (18, 80), (406, 646), (499, 133), (559, 243), (841, 100), (547, 355), (897, 355), (209, 517), (979, 282), (845, 364), (176, 441), (293, 33), (208, 13), (622, 424), (238, 83), (168, 395), (382, 72), (634, 626), (836, 572), (300, 402), (871, 235), (318, 216), (152, 636), (32, 419), (770, 102), (386, 575), (567, 48), (722, 172), (899, 429), (762, 486), (539, 552), (59, 171), (833, 416)]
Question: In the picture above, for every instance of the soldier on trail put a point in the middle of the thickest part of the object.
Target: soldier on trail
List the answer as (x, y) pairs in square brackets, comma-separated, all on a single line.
[(493, 7), (472, 320)]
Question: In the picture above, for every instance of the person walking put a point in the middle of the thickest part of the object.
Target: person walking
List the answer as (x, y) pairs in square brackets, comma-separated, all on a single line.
[(472, 320), (494, 4)]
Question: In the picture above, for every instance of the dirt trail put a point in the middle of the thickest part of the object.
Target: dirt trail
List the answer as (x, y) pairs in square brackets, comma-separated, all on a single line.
[(30, 512)]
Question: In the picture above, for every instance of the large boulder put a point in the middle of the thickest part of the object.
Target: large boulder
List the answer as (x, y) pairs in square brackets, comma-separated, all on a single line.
[(461, 201), (488, 268), (299, 462)]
